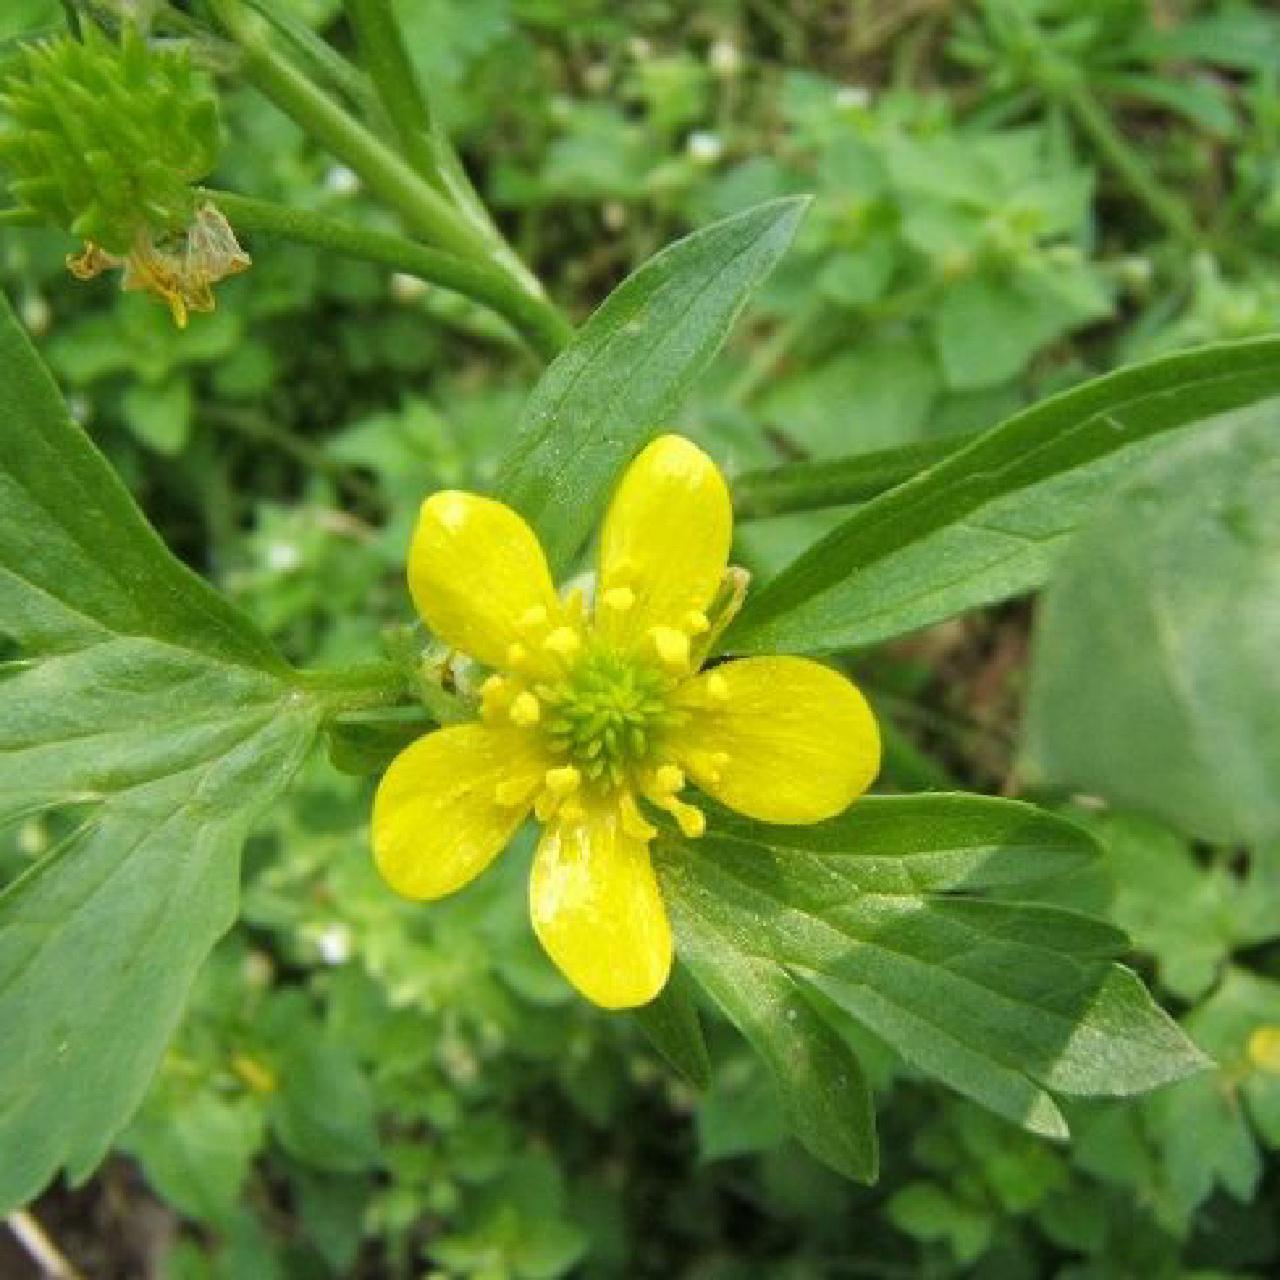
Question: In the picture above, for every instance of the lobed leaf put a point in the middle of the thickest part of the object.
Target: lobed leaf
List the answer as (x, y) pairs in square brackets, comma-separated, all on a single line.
[(147, 722), (990, 521), (875, 917)]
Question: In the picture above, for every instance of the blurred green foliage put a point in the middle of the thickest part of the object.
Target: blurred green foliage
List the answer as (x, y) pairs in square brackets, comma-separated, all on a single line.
[(365, 1087)]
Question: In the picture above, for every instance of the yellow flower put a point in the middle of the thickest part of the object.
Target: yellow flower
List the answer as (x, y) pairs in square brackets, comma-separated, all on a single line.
[(592, 713)]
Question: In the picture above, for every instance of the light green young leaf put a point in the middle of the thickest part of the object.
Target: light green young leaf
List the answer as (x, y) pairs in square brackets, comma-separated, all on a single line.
[(990, 520), (874, 917), (1155, 679), (615, 384), (150, 722)]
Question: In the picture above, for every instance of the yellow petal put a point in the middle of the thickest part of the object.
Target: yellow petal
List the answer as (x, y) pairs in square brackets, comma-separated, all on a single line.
[(665, 543), (597, 910), (779, 739), (449, 804), (475, 571)]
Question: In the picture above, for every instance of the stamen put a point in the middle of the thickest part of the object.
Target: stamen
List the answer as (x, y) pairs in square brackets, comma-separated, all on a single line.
[(619, 599), (717, 687), (668, 779), (672, 647), (495, 697), (563, 781), (696, 622), (517, 656), (526, 710), (533, 618), (634, 823), (564, 642)]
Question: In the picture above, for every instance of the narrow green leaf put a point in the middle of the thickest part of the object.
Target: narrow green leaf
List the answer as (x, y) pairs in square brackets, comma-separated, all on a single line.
[(672, 1025), (872, 917), (148, 723), (990, 521), (628, 367), (1155, 678)]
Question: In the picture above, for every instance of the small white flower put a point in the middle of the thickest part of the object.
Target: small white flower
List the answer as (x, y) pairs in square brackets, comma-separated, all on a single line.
[(853, 97), (283, 557), (725, 58), (334, 944), (705, 147), (341, 181)]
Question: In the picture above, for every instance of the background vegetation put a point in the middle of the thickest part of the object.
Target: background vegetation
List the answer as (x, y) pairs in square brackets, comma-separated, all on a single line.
[(1011, 196)]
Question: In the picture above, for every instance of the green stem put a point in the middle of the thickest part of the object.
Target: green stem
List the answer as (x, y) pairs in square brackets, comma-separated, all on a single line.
[(383, 56), (1127, 163), (376, 684), (424, 144), (384, 172), (541, 325), (812, 486), (257, 427)]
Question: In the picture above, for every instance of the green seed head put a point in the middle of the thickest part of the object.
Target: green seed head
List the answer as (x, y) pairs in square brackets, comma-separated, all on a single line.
[(606, 715), (105, 139)]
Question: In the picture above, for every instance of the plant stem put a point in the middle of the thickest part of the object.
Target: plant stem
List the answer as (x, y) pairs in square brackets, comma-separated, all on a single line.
[(422, 206), (541, 325), (1127, 163), (255, 426), (813, 485), (375, 684), (383, 56), (20, 218)]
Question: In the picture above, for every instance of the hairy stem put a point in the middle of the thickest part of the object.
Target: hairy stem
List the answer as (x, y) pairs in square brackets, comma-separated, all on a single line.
[(542, 326)]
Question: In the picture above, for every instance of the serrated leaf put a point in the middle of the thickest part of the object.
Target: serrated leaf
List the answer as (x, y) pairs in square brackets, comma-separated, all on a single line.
[(990, 521), (627, 368), (1155, 680), (873, 916), (151, 722)]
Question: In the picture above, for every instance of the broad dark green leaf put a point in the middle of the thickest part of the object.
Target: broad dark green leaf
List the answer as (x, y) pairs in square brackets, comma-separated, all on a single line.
[(1156, 675), (148, 722), (875, 917), (612, 388), (672, 1025), (990, 521)]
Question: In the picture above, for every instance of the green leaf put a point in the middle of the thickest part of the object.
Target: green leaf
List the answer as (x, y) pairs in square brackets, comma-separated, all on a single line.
[(152, 723), (160, 413), (1155, 680), (627, 369), (671, 1023), (323, 1113), (197, 1152), (990, 521), (873, 917)]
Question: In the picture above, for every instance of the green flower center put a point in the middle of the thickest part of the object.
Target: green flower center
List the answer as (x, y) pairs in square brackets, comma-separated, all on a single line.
[(606, 715)]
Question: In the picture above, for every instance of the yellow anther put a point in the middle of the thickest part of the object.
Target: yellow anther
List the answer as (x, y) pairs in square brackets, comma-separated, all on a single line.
[(717, 687), (571, 812), (563, 781), (692, 822), (495, 695), (564, 642), (668, 779), (533, 618), (1264, 1049), (634, 823), (619, 599), (517, 656), (525, 710), (672, 647), (512, 792), (575, 605), (696, 622)]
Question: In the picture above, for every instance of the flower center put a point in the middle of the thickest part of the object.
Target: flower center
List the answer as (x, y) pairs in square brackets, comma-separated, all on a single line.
[(605, 715)]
